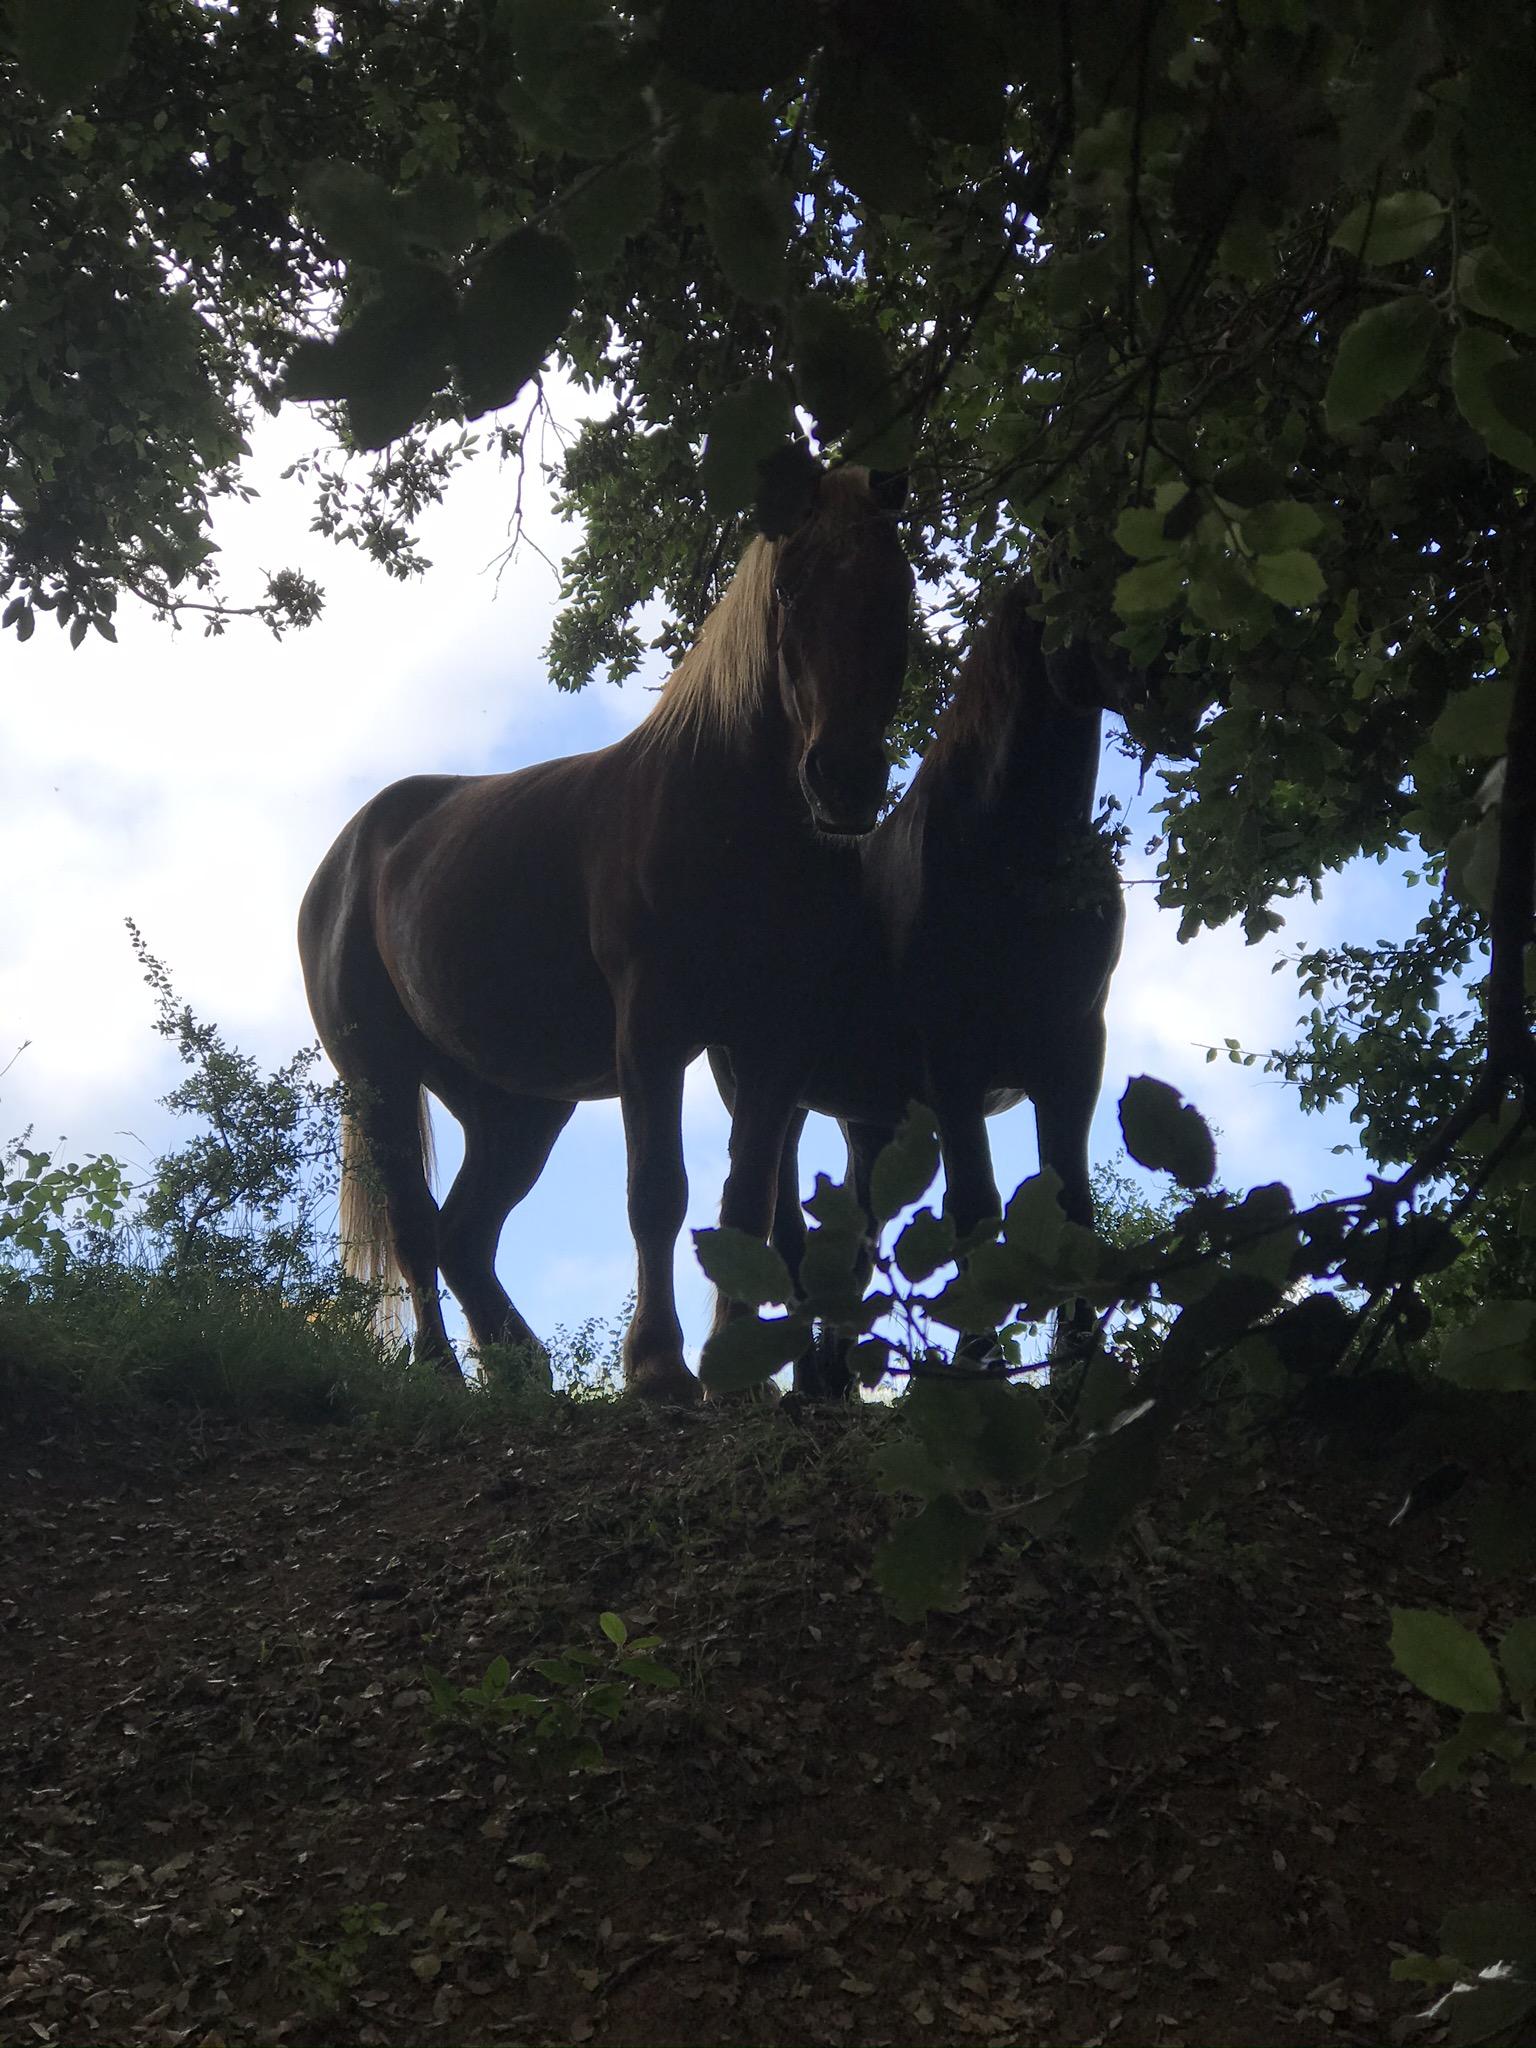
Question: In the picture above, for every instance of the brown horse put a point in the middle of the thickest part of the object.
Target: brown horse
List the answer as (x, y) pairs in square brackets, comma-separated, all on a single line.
[(1000, 917), (520, 943)]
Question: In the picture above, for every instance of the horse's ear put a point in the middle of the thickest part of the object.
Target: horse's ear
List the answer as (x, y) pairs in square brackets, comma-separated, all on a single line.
[(888, 488)]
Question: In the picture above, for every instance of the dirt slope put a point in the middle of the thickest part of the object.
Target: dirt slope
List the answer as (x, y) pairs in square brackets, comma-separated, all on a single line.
[(227, 1813)]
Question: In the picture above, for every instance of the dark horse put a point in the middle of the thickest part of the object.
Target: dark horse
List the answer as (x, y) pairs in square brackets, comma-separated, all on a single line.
[(1000, 917), (583, 928)]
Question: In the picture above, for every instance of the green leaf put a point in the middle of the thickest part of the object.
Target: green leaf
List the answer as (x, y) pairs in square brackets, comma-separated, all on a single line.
[(605, 210), (1493, 287), (1279, 526), (1164, 1132), (1248, 481), (905, 1169), (745, 427), (1011, 1444), (749, 223), (787, 484), (1496, 1351), (649, 1672), (1491, 2009), (1139, 531), (1291, 578), (743, 1267), (558, 1670), (842, 377), (1475, 355), (514, 311), (1444, 1660), (357, 213), (1517, 1654), (65, 47), (868, 1361), (923, 1565), (1034, 1219), (1153, 587), (1500, 135), (907, 1466), (1475, 721), (865, 120), (1472, 863), (737, 45), (1502, 1532), (746, 1351), (441, 213), (613, 1627), (1391, 228), (927, 1243), (1512, 387), (1120, 1475), (1380, 356), (395, 355)]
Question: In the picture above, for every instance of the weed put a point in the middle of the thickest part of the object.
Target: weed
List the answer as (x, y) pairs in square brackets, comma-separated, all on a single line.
[(323, 1972), (557, 1729)]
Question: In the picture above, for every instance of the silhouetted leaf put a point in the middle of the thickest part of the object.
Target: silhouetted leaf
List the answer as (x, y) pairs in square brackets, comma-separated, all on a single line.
[(1517, 1654), (737, 45), (747, 1351), (927, 1243), (1475, 720), (787, 483), (1475, 354), (905, 1169), (1164, 1132), (514, 311), (923, 1565), (357, 214), (842, 376), (749, 223), (743, 1267), (67, 47), (1496, 1351), (1492, 286)]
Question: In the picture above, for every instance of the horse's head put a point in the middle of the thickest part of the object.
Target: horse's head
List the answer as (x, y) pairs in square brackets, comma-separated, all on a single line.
[(842, 594)]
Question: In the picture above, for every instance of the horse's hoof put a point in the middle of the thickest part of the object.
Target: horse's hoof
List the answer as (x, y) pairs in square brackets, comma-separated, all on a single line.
[(767, 1394), (671, 1384)]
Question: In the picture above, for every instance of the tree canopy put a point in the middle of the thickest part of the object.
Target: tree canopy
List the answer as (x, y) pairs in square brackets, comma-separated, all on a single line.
[(1222, 309)]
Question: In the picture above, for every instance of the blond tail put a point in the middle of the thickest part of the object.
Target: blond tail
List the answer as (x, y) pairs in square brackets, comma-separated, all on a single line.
[(367, 1246)]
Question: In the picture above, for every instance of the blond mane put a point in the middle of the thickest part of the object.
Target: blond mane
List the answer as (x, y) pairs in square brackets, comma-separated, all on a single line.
[(716, 688)]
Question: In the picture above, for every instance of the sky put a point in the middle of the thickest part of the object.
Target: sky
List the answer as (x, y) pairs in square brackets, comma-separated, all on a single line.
[(193, 785)]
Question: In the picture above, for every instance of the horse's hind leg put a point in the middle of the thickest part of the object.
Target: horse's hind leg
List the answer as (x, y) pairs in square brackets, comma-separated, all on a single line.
[(507, 1142), (391, 1126), (1063, 1118)]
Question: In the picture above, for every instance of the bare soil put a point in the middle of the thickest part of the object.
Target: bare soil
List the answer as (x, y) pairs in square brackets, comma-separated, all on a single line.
[(1166, 1801)]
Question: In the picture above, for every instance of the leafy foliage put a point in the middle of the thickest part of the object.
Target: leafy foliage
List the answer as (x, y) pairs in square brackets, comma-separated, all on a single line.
[(556, 1729)]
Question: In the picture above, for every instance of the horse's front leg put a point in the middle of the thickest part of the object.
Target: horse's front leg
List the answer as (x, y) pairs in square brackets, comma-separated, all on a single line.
[(970, 1192), (1063, 1120), (765, 1105), (651, 1096)]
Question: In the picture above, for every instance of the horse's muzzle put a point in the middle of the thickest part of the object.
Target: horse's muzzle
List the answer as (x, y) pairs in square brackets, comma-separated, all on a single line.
[(844, 787)]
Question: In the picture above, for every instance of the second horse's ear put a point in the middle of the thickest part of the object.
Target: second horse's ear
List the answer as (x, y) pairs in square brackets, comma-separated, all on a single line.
[(888, 488)]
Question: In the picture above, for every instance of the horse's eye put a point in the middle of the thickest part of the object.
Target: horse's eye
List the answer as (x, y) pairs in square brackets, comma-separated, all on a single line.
[(783, 594)]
